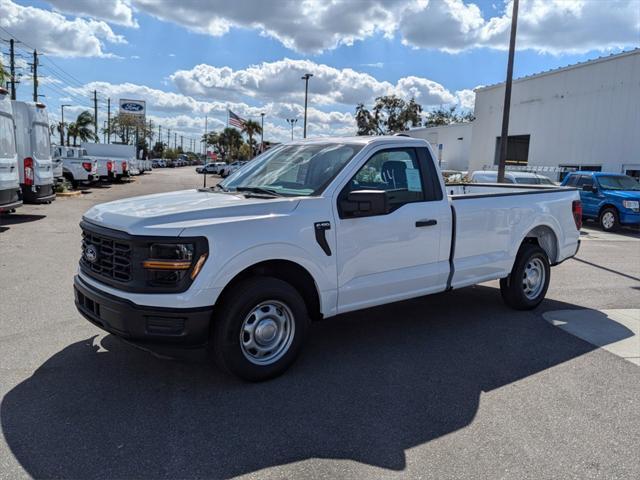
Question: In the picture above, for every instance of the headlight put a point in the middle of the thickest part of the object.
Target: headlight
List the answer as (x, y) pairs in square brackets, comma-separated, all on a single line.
[(631, 205), (169, 263)]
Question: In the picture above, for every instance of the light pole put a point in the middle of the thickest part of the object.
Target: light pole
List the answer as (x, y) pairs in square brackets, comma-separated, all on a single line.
[(292, 122), (62, 123), (261, 132), (306, 78)]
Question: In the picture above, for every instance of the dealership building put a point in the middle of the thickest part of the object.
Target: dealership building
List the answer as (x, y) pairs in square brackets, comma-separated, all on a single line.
[(584, 116)]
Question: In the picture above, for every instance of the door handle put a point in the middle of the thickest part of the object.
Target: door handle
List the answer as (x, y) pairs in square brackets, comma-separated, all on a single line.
[(426, 223)]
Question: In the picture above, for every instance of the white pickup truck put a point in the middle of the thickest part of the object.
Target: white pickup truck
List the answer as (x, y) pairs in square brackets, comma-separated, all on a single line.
[(306, 231)]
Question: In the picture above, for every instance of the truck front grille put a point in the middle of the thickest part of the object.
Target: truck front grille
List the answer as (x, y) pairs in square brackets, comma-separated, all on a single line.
[(112, 257)]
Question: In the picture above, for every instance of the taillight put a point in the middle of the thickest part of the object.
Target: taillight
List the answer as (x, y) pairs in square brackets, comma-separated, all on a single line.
[(109, 167), (28, 171), (87, 166), (124, 166), (576, 208)]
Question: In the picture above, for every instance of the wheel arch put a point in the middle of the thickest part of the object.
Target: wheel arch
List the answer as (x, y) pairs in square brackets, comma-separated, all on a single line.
[(288, 271), (545, 237), (608, 205)]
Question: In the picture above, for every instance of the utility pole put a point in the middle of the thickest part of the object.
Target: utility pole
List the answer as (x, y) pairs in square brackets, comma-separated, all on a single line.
[(95, 114), (306, 78), (109, 119), (175, 140), (181, 140), (12, 68), (160, 140), (168, 138), (62, 124), (504, 137), (35, 75), (104, 134), (262, 132)]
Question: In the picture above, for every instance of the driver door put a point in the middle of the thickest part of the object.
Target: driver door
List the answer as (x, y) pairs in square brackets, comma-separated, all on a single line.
[(398, 254)]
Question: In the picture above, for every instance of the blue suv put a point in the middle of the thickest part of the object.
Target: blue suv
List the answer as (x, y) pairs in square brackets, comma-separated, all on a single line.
[(611, 198)]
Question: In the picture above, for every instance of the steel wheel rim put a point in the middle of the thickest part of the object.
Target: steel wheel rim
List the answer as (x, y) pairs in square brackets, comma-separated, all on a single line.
[(533, 278), (608, 220), (267, 332)]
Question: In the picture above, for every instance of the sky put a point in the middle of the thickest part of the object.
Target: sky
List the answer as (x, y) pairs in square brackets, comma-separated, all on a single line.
[(194, 59)]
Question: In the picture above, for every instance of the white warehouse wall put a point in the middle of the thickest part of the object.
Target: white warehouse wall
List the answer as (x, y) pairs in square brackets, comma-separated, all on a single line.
[(585, 114), (451, 143)]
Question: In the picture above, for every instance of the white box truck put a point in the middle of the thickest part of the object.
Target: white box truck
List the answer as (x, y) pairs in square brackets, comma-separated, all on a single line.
[(34, 152), (10, 193)]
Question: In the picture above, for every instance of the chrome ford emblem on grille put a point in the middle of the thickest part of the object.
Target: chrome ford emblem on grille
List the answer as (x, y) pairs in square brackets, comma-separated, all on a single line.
[(91, 253)]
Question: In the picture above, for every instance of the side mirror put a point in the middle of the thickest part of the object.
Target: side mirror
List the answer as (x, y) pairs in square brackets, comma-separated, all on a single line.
[(589, 188), (365, 203)]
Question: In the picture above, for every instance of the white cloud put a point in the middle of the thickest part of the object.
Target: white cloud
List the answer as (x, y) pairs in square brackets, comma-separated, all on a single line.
[(112, 11), (549, 26), (303, 25), (52, 33), (281, 81), (312, 26), (466, 98)]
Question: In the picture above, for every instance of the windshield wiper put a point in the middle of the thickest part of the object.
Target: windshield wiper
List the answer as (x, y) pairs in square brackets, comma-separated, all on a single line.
[(260, 190)]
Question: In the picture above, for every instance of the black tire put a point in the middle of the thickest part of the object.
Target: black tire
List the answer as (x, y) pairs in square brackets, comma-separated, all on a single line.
[(609, 219), (238, 306), (514, 287)]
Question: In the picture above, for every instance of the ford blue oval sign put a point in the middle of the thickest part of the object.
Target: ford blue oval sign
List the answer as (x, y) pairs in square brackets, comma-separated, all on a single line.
[(132, 107)]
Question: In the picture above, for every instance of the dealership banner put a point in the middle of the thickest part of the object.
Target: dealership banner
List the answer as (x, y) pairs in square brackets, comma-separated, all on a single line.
[(132, 107)]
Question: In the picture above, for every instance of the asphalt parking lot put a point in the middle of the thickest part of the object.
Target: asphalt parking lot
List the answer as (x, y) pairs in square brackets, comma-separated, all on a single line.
[(454, 385)]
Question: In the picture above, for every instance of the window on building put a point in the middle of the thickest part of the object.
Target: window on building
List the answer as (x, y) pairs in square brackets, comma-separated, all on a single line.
[(517, 150)]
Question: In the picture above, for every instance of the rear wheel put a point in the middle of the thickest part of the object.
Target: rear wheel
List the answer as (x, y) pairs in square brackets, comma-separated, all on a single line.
[(609, 219), (528, 282), (259, 329)]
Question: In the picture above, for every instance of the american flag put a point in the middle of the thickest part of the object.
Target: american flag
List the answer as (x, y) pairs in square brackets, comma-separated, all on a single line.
[(236, 120)]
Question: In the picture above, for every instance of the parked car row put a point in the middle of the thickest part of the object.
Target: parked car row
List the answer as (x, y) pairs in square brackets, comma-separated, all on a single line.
[(181, 161), (221, 168), (30, 167)]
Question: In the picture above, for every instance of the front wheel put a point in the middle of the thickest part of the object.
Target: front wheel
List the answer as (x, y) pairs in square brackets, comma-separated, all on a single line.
[(528, 282), (609, 220), (259, 329)]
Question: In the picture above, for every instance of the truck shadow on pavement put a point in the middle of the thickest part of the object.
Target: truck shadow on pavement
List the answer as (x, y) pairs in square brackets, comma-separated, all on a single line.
[(367, 387)]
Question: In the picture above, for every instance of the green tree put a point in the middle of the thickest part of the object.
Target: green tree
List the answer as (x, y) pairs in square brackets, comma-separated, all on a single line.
[(251, 128), (82, 128), (3, 74), (244, 152), (389, 114), (447, 116)]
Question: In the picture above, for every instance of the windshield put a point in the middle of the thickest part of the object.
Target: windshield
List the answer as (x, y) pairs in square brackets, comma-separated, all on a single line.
[(618, 182), (527, 180), (7, 142), (41, 141), (293, 170)]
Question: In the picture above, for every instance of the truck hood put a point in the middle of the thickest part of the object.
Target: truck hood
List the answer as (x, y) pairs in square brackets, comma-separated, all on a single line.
[(170, 213), (623, 194)]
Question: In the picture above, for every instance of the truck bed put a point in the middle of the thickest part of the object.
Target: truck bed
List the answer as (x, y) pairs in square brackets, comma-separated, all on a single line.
[(490, 222)]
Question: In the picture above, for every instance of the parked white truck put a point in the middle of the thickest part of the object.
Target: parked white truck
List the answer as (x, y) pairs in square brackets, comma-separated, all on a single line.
[(307, 231), (10, 193), (122, 156), (77, 167), (34, 152)]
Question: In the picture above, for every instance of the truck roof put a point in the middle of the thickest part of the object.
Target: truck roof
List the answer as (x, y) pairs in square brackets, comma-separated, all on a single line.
[(362, 140), (591, 172)]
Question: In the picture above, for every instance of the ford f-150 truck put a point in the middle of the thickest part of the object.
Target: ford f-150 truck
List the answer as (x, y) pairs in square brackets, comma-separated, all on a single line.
[(612, 199), (306, 231)]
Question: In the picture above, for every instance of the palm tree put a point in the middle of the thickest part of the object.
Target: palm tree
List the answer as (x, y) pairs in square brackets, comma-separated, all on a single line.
[(2, 74), (251, 128), (83, 127), (72, 131), (230, 140)]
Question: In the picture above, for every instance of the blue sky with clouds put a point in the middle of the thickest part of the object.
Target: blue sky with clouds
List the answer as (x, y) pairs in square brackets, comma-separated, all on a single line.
[(194, 58)]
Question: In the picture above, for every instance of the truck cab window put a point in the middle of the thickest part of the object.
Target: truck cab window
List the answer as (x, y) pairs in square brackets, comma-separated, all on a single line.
[(584, 180), (395, 171)]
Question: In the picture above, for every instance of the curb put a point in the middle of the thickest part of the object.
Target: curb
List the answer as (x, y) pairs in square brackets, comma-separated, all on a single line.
[(77, 193)]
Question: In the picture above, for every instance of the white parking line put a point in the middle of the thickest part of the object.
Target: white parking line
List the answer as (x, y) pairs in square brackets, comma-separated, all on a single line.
[(617, 331)]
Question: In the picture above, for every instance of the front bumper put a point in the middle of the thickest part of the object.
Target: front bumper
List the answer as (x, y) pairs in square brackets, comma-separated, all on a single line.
[(629, 218), (158, 329)]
